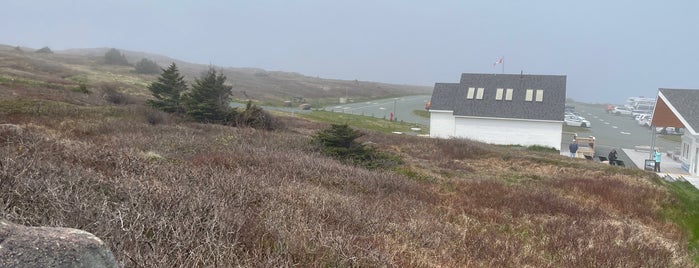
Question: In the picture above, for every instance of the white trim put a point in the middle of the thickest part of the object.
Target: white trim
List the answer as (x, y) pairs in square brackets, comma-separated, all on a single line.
[(441, 111), (677, 114), (501, 118)]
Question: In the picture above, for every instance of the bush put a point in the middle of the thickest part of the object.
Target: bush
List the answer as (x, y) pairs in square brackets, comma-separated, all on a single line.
[(539, 148), (255, 117), (115, 57), (112, 95), (82, 88), (146, 66), (339, 142), (44, 50), (153, 116)]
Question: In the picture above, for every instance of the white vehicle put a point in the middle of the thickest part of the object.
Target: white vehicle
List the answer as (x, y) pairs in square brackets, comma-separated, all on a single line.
[(621, 110), (576, 121), (640, 117), (644, 121), (669, 130)]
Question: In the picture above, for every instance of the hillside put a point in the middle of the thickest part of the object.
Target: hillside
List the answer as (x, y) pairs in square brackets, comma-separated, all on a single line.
[(274, 86), (171, 193)]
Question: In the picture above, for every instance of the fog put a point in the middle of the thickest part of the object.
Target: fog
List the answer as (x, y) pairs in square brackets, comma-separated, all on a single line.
[(609, 50)]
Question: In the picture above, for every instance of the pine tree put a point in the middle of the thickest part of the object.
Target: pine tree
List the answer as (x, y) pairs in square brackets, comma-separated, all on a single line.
[(209, 98), (146, 66), (44, 50), (168, 91), (115, 57)]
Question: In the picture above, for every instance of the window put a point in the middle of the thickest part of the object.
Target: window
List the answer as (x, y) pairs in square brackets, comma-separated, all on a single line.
[(508, 94), (498, 94), (479, 95), (470, 93), (530, 92), (539, 95)]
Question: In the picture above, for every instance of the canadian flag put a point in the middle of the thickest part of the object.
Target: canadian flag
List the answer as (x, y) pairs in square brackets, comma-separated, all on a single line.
[(499, 61)]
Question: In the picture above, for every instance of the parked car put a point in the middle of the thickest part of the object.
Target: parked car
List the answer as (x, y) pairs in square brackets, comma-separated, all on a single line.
[(635, 113), (644, 120), (621, 111), (669, 130), (576, 121)]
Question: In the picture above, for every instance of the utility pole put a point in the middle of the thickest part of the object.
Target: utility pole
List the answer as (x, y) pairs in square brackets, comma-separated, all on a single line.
[(394, 107)]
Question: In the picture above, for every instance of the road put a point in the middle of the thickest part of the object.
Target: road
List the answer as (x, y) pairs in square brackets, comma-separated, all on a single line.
[(401, 107), (612, 131)]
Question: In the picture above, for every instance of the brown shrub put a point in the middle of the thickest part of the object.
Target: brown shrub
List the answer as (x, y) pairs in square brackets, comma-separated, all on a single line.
[(221, 197)]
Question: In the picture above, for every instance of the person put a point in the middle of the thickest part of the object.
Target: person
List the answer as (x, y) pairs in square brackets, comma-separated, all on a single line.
[(573, 147), (612, 157), (656, 157)]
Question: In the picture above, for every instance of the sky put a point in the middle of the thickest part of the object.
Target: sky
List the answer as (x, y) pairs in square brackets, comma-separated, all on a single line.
[(609, 50)]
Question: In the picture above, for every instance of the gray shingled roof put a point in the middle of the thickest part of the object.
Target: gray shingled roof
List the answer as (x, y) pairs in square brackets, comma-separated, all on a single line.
[(686, 102), (452, 96)]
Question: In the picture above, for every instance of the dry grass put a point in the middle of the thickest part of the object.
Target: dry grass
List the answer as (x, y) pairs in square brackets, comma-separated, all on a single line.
[(173, 195)]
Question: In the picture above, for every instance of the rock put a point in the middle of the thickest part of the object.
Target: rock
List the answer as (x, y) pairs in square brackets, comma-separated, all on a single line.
[(22, 246)]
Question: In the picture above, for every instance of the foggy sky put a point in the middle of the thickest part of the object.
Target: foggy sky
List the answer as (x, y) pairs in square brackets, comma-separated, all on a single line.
[(609, 50)]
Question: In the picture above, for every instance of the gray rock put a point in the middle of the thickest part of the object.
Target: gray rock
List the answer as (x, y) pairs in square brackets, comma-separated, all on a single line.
[(22, 246)]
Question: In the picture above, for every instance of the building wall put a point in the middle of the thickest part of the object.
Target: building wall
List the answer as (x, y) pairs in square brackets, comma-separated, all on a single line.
[(691, 153), (506, 132), (441, 124)]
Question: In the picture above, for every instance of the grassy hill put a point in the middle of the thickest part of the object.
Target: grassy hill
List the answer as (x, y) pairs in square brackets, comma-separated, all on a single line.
[(172, 193), (275, 87)]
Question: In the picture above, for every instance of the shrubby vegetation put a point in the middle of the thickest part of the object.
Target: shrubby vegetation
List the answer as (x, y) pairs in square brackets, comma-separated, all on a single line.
[(46, 50), (112, 95), (146, 66), (161, 192), (115, 57), (339, 141), (208, 101)]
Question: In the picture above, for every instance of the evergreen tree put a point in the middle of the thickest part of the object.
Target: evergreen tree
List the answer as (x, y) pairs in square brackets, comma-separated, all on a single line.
[(168, 91), (115, 57), (44, 50), (146, 66), (209, 98)]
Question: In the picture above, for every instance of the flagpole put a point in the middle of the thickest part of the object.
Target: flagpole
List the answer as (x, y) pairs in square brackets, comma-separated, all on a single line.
[(503, 64)]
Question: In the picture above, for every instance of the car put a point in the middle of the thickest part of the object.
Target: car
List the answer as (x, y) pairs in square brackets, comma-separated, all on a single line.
[(621, 111), (644, 121), (669, 130), (638, 117), (635, 113), (576, 121)]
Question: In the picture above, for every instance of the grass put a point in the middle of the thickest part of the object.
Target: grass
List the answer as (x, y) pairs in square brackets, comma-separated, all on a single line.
[(675, 138), (422, 113), (574, 129), (686, 212), (363, 122)]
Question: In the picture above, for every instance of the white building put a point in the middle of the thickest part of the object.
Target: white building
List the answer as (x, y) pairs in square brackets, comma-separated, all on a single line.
[(679, 108), (500, 109)]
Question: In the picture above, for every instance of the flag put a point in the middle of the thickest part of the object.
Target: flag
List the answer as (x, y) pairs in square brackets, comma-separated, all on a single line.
[(499, 61)]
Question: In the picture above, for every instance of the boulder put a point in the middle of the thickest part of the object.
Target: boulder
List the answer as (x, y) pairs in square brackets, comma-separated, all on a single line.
[(22, 246)]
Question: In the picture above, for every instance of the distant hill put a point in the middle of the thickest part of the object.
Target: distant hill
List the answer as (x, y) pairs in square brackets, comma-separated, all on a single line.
[(271, 86)]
